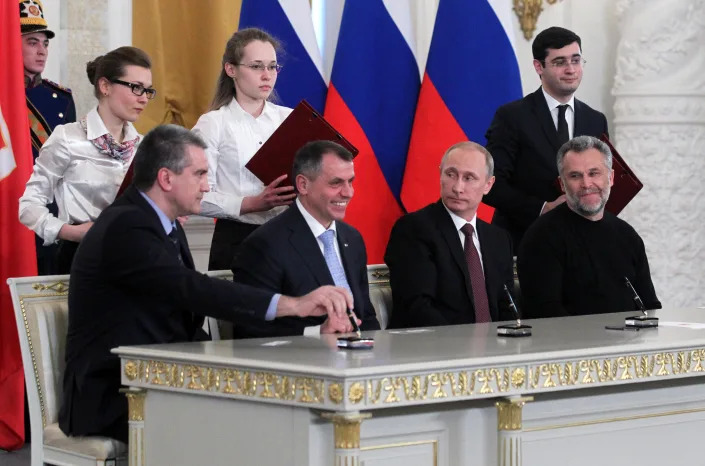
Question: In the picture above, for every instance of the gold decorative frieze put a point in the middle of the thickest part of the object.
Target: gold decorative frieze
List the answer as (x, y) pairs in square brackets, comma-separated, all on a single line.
[(356, 392), (256, 384), (428, 387), (622, 368), (58, 287), (441, 385), (335, 393)]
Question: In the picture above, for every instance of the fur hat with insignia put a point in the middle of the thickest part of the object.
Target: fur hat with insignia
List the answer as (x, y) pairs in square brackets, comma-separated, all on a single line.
[(32, 18)]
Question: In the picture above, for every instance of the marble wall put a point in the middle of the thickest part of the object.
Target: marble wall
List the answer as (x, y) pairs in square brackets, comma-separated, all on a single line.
[(84, 30), (659, 126)]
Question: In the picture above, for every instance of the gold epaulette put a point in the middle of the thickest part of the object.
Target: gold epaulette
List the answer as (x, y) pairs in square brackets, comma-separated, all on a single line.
[(57, 86)]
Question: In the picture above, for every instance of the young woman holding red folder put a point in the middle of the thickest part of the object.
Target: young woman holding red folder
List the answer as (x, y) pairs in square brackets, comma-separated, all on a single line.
[(240, 120), (82, 164)]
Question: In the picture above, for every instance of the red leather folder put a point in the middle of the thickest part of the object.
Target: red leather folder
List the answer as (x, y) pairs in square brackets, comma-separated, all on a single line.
[(276, 156), (626, 184)]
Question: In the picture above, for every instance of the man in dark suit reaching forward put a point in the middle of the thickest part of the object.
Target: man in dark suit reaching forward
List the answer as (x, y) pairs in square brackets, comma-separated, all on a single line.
[(525, 135), (309, 245), (132, 283), (446, 265)]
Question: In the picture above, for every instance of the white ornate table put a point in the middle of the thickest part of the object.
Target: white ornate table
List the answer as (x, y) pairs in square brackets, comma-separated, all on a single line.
[(573, 393)]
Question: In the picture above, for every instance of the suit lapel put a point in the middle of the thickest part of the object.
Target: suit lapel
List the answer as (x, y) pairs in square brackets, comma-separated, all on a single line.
[(452, 238), (306, 246), (579, 126), (133, 195), (543, 115)]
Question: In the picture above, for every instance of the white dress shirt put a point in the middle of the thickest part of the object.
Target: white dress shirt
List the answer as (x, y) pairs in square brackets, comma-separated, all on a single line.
[(72, 171), (317, 230), (459, 223), (569, 112), (233, 136)]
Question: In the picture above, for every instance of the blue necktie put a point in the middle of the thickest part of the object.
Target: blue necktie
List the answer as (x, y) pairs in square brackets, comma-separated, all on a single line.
[(334, 265)]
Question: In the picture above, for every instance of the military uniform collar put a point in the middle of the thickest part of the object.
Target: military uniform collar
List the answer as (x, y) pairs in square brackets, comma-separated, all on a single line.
[(29, 83)]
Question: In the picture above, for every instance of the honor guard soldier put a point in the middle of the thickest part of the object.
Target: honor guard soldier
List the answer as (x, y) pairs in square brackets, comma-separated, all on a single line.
[(48, 104)]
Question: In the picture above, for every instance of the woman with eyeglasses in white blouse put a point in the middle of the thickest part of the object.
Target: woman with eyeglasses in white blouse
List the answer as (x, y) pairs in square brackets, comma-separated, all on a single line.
[(240, 120), (81, 165)]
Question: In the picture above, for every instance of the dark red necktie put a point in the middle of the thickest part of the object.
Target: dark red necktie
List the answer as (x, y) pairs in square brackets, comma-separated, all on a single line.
[(477, 277)]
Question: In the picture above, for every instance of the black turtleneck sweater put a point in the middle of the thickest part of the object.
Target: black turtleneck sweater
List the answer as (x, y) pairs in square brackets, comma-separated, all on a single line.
[(569, 265)]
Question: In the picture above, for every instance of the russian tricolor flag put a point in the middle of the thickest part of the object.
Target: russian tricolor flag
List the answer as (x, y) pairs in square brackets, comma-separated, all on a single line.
[(471, 71), (371, 100), (290, 22)]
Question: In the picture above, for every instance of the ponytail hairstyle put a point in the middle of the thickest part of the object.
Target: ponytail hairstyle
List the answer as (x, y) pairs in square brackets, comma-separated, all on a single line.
[(112, 65), (234, 50)]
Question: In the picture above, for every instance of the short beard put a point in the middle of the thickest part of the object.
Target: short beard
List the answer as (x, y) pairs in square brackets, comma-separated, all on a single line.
[(584, 210)]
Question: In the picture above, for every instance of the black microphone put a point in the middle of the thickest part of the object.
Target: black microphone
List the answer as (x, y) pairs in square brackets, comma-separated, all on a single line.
[(635, 296), (513, 306)]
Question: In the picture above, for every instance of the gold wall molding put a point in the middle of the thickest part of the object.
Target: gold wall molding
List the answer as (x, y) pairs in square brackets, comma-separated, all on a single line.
[(412, 443), (610, 420), (528, 12)]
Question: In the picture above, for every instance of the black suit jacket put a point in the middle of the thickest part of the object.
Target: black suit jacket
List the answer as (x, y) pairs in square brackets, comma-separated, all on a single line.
[(283, 256), (429, 273), (524, 143), (128, 288)]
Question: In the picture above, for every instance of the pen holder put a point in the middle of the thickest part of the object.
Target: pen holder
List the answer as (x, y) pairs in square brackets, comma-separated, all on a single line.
[(514, 330), (641, 321)]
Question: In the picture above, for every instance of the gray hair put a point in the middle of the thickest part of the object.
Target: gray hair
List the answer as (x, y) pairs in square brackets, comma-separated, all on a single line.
[(489, 161), (579, 145), (163, 147)]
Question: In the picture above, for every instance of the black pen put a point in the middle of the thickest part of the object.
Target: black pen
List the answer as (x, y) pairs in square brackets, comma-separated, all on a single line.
[(351, 316)]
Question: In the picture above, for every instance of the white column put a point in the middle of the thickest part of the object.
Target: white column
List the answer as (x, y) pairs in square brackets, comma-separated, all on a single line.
[(660, 130), (509, 418), (135, 442)]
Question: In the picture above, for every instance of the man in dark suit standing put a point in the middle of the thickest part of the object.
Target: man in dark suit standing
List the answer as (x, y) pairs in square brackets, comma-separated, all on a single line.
[(525, 135), (437, 275), (309, 245), (133, 283)]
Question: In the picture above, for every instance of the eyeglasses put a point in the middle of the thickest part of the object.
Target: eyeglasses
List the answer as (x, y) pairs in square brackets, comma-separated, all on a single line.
[(137, 89), (259, 67), (563, 63)]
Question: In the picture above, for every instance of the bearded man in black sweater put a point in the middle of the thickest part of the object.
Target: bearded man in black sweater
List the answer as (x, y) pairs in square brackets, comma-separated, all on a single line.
[(574, 259)]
